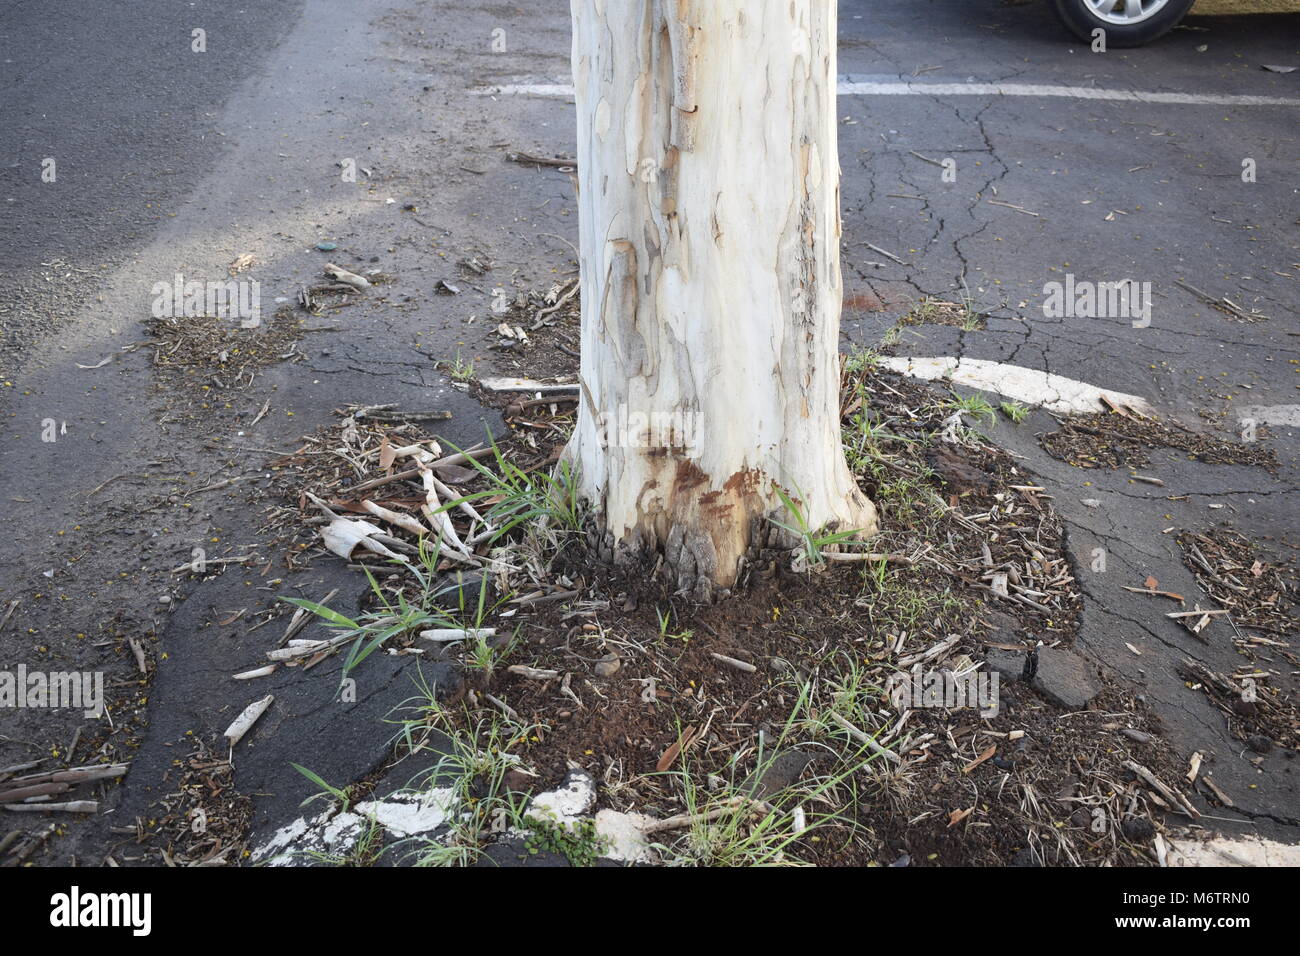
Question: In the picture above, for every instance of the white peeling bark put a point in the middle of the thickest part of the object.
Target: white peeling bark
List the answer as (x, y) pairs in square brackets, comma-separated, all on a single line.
[(709, 217)]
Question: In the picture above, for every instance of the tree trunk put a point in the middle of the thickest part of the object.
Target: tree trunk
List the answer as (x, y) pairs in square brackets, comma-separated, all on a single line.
[(711, 292)]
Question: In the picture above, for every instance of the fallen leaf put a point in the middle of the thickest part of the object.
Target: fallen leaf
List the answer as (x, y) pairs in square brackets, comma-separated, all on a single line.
[(387, 455), (957, 816), (671, 754), (454, 474), (992, 749)]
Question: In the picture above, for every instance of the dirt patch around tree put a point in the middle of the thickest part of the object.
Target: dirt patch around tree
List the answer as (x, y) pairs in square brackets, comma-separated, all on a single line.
[(785, 723)]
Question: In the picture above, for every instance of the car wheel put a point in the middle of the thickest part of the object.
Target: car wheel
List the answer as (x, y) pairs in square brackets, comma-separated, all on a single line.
[(1126, 22)]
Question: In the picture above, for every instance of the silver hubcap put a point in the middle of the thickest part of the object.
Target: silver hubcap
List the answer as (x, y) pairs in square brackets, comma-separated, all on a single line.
[(1125, 12)]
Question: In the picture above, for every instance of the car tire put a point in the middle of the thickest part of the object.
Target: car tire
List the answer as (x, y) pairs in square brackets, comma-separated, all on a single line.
[(1082, 19)]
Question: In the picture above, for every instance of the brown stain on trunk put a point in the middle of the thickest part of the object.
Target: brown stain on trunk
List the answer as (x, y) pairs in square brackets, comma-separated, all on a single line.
[(702, 535)]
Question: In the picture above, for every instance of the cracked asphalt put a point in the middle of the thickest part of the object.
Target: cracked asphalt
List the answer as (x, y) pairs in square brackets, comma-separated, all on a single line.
[(233, 152), (1105, 191)]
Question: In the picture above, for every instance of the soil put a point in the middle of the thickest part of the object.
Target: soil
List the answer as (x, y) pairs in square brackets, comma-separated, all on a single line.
[(812, 626), (1112, 440), (939, 312), (651, 692), (1263, 597), (551, 348), (1264, 594)]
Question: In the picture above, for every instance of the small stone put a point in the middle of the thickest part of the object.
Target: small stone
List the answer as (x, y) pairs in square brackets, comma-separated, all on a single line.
[(1260, 744), (1004, 629), (517, 781), (1065, 678), (445, 679), (1010, 664), (165, 599), (1138, 829), (608, 665), (1081, 818), (957, 471), (781, 773)]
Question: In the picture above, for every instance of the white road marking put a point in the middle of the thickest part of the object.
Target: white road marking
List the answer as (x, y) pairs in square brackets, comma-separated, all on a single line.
[(403, 814), (1245, 850), (558, 91), (852, 87), (1056, 393), (855, 88), (1288, 415)]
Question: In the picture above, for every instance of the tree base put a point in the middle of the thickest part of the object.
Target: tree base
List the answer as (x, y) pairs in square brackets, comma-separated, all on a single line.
[(691, 560)]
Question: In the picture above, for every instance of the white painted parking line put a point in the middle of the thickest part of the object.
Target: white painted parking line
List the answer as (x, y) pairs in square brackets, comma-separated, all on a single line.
[(557, 91), (858, 88), (852, 87), (1056, 393)]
